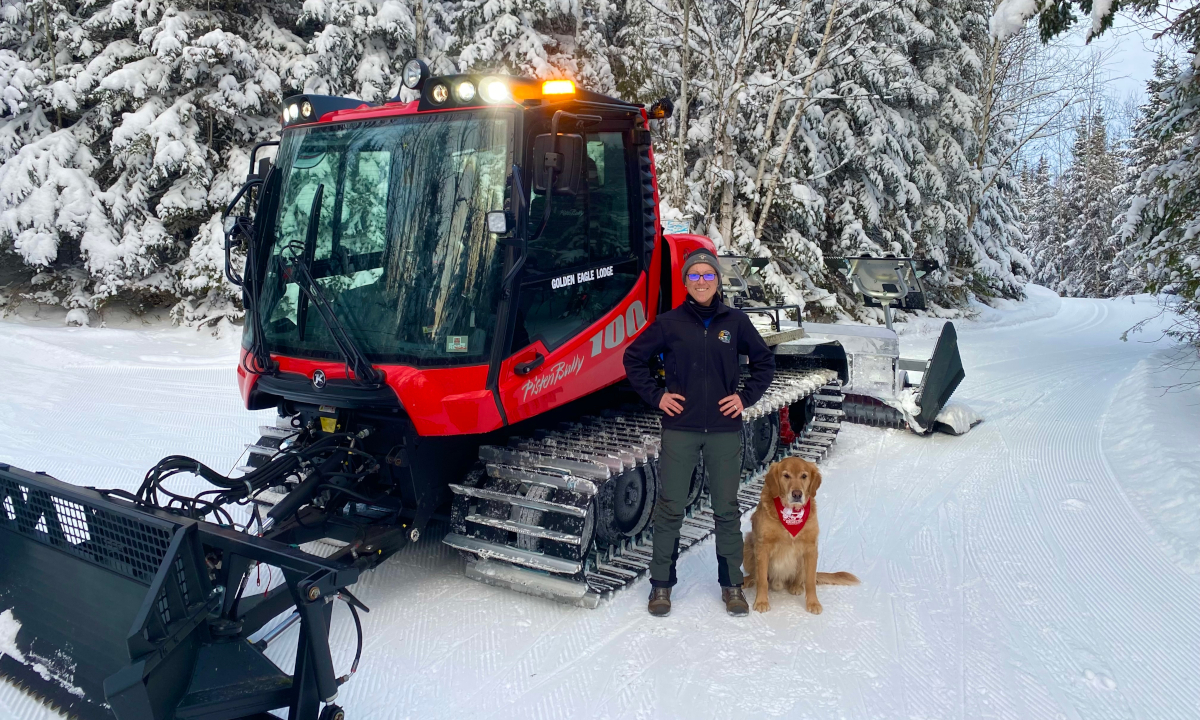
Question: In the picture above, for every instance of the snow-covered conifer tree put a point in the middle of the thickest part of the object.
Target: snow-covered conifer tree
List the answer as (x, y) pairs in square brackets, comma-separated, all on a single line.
[(810, 127), (1087, 210)]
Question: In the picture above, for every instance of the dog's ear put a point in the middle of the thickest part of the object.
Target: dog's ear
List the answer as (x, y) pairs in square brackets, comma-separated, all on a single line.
[(771, 484), (815, 482)]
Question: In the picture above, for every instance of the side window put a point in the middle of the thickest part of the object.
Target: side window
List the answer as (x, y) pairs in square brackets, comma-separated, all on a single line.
[(583, 264), (310, 170)]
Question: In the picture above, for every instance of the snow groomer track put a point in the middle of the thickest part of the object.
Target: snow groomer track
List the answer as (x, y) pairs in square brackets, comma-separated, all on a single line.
[(559, 504)]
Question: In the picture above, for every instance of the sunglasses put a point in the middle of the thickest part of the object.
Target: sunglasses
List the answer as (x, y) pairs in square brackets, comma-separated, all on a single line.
[(695, 277)]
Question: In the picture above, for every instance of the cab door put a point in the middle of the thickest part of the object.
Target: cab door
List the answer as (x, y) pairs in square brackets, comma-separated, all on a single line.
[(582, 296)]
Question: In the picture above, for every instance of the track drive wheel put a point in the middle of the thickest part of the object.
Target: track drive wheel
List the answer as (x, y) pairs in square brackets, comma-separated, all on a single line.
[(625, 503), (760, 438)]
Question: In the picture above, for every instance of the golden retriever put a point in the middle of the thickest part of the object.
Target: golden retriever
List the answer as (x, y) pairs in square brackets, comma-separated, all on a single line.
[(775, 558)]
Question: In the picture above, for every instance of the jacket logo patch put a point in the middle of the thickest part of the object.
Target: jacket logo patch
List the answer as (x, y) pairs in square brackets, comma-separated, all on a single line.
[(723, 336)]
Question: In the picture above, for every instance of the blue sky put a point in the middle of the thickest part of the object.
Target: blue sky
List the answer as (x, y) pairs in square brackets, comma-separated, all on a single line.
[(1129, 50), (1133, 51)]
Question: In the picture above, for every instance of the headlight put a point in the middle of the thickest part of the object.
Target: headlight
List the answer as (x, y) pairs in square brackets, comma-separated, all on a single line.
[(414, 75), (465, 92), (439, 94), (293, 112), (494, 90), (306, 109)]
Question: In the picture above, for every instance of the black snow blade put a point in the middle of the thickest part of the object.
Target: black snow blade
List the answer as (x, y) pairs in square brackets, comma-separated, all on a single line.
[(108, 610), (941, 378)]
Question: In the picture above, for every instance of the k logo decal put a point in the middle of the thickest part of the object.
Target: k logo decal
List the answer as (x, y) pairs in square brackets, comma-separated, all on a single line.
[(723, 336)]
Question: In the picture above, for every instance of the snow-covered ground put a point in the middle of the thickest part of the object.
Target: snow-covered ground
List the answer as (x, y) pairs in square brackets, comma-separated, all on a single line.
[(1045, 565)]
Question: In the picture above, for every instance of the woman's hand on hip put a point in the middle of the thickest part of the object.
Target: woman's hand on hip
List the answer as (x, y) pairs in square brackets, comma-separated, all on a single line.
[(732, 405), (671, 403)]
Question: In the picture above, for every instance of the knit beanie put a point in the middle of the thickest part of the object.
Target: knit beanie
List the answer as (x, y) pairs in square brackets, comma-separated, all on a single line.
[(701, 256)]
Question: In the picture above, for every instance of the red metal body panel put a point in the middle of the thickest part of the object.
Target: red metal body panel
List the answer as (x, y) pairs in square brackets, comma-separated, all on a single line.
[(680, 245), (245, 380), (439, 401), (588, 362)]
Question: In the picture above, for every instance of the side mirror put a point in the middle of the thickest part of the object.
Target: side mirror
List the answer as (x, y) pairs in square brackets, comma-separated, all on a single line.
[(499, 222), (566, 163), (264, 167), (236, 225)]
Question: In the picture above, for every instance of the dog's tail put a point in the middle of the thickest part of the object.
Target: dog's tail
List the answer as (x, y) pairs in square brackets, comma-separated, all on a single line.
[(837, 578)]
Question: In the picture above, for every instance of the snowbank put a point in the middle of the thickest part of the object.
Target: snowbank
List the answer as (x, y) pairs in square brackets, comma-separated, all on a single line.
[(959, 417), (1149, 439), (1039, 303)]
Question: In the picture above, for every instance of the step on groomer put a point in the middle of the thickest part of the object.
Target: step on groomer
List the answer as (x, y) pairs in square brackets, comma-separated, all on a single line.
[(700, 342)]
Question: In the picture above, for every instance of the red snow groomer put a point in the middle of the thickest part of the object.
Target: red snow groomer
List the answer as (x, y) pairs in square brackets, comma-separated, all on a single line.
[(438, 297)]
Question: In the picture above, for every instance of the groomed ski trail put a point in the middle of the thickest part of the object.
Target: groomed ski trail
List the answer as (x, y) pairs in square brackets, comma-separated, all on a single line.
[(1033, 568)]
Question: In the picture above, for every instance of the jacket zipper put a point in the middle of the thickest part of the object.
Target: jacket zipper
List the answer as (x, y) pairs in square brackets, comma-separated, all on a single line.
[(704, 344)]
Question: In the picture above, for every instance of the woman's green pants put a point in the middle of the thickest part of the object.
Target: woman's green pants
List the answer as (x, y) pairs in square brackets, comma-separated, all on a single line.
[(681, 451)]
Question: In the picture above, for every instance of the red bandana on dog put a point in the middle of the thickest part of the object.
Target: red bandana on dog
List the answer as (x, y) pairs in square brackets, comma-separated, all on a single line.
[(793, 520)]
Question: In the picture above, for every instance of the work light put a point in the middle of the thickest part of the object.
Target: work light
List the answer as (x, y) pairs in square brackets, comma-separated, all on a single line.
[(465, 91), (306, 109), (494, 90), (415, 73), (439, 94)]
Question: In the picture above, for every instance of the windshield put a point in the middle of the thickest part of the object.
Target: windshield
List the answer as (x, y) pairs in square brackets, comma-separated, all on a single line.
[(402, 251)]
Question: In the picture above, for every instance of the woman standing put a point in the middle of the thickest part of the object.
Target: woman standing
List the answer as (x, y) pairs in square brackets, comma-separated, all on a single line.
[(700, 342)]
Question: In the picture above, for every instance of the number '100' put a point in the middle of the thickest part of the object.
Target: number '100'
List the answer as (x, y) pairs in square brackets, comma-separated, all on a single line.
[(619, 327)]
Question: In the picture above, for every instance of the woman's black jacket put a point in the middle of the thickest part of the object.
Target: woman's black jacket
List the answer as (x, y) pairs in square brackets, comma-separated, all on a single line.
[(701, 364)]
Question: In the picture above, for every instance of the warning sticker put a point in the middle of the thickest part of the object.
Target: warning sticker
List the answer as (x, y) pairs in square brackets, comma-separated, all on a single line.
[(456, 343)]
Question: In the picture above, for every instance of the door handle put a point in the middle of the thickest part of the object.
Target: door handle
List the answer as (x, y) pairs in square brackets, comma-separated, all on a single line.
[(524, 368)]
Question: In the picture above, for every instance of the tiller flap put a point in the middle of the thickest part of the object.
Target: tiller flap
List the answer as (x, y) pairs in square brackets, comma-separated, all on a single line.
[(941, 378)]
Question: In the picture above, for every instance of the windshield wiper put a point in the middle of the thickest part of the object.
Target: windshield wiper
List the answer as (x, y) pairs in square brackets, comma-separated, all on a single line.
[(360, 367)]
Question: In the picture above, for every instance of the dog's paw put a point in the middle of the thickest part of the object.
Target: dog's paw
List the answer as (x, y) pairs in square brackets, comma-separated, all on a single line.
[(748, 581), (761, 605), (796, 588), (814, 606)]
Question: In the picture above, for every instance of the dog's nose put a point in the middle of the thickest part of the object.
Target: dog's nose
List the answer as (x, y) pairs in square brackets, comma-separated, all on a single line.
[(797, 497)]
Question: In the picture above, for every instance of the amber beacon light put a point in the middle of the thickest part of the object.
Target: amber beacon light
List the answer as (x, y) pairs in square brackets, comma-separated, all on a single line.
[(558, 87)]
